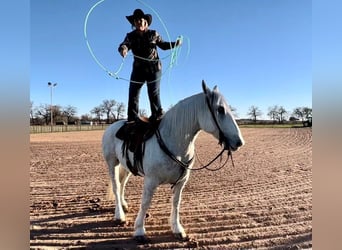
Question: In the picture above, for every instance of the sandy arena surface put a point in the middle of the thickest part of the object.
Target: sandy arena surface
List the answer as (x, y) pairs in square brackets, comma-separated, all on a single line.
[(264, 202)]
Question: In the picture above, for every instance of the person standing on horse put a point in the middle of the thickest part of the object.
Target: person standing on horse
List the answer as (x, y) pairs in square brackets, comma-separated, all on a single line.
[(146, 66)]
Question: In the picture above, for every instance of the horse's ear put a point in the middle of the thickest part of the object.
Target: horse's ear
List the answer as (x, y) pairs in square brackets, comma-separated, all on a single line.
[(216, 89), (206, 90)]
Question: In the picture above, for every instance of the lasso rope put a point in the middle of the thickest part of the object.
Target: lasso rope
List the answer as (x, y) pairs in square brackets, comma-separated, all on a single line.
[(173, 55), (89, 47)]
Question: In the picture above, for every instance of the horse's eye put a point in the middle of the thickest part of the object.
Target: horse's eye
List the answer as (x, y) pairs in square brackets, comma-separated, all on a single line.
[(220, 110)]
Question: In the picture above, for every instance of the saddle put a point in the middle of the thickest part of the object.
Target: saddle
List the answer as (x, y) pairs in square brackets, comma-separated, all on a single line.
[(134, 136)]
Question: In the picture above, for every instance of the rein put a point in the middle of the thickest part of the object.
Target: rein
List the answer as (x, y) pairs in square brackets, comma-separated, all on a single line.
[(162, 145), (212, 161), (185, 165)]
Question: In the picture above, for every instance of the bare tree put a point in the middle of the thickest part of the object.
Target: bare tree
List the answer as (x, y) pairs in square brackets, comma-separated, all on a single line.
[(57, 113), (97, 111), (254, 112), (298, 113), (302, 112), (120, 109), (43, 113), (282, 114), (108, 108), (273, 113), (277, 113), (86, 117), (307, 112), (69, 113)]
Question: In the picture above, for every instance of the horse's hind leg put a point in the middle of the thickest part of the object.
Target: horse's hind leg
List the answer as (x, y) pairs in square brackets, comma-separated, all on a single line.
[(114, 172)]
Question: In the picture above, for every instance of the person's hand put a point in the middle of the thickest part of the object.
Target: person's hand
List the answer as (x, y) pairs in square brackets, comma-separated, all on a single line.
[(179, 42), (123, 52)]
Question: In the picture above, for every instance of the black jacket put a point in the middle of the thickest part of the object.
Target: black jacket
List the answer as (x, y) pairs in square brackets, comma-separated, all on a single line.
[(144, 48)]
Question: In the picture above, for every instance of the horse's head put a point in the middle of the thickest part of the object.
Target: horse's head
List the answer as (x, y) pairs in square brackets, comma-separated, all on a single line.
[(219, 120)]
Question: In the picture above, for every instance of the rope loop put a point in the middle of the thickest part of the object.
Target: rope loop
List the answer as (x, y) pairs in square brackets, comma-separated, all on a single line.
[(174, 54)]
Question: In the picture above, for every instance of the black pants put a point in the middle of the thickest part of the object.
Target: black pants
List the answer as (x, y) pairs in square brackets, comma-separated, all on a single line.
[(138, 78)]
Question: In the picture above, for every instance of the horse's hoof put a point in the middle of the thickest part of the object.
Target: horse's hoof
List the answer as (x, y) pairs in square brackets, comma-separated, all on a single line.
[(181, 237), (119, 222), (141, 239), (192, 244), (125, 209)]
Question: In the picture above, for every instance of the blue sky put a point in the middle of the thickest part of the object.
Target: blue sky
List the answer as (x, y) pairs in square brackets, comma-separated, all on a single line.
[(258, 52)]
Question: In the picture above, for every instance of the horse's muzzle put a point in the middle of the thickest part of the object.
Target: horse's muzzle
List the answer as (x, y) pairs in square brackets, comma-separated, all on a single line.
[(233, 146)]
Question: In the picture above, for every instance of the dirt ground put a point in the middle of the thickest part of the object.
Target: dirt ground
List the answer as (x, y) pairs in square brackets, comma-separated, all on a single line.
[(263, 202)]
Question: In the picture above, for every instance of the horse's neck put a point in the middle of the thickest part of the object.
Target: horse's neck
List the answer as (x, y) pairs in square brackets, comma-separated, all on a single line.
[(180, 125)]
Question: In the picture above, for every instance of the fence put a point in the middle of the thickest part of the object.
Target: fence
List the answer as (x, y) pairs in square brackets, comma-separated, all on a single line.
[(65, 128)]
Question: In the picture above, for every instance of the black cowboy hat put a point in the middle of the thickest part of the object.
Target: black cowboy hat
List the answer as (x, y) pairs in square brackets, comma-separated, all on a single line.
[(137, 14)]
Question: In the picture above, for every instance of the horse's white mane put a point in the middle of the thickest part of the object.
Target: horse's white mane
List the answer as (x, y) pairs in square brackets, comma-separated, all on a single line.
[(183, 114)]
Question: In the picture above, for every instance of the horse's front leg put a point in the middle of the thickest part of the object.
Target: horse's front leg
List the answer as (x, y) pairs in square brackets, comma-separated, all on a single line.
[(139, 226), (176, 226)]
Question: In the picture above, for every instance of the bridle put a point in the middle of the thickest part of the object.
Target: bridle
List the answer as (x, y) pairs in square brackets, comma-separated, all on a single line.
[(222, 138), (210, 107)]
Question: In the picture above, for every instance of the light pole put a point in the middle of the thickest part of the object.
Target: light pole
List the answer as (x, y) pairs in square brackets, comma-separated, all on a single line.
[(51, 85)]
